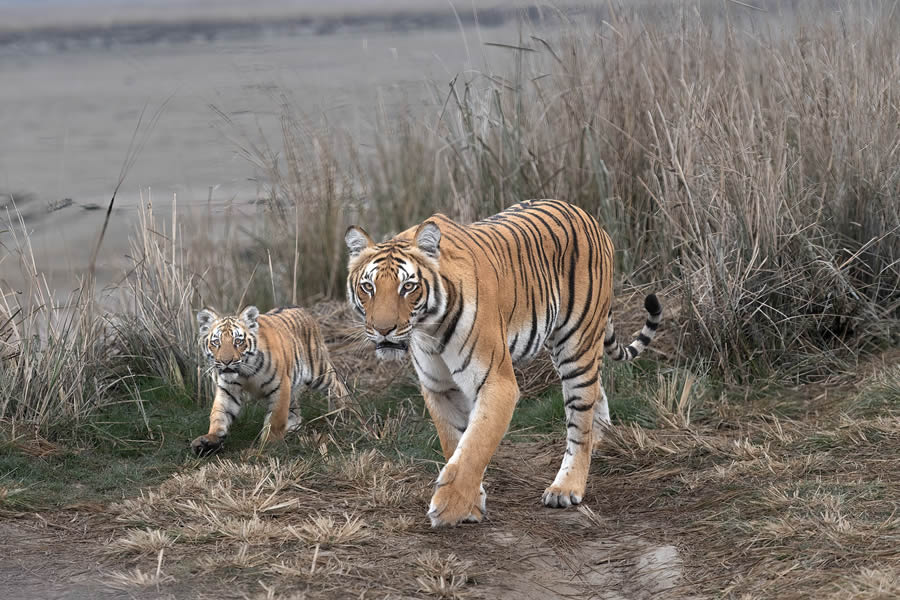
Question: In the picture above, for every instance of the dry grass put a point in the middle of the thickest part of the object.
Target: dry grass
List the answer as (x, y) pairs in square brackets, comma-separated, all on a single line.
[(770, 507), (53, 361), (761, 505), (141, 542), (325, 530), (137, 579), (746, 170), (742, 168), (734, 162), (443, 576)]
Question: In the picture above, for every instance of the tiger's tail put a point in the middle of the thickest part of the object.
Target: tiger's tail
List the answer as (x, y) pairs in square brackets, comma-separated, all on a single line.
[(618, 351)]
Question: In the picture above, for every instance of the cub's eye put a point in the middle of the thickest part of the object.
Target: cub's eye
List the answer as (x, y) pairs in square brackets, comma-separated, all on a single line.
[(409, 286), (367, 287), (239, 342), (214, 343)]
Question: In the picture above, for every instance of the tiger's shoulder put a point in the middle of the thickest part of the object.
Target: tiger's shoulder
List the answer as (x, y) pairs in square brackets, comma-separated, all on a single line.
[(286, 322)]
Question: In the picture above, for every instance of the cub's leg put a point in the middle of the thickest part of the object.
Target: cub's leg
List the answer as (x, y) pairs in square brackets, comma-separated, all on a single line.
[(459, 491), (579, 371), (294, 417), (225, 409), (329, 383), (276, 421)]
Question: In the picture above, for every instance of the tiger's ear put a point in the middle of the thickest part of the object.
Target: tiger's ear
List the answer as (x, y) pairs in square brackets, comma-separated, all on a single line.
[(428, 239), (357, 240), (205, 319), (250, 317)]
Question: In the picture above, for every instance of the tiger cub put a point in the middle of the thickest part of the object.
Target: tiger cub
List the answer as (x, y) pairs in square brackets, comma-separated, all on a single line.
[(272, 356)]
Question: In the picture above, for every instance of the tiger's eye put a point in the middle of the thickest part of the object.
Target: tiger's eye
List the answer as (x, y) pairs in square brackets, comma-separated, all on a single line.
[(409, 286), (367, 287)]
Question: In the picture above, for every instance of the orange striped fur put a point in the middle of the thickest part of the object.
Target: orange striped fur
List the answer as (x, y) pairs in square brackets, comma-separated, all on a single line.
[(467, 302), (272, 356)]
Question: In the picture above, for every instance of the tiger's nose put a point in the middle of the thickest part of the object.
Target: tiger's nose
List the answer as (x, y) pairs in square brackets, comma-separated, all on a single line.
[(385, 330)]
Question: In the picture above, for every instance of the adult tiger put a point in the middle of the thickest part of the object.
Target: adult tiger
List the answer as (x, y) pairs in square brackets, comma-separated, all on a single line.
[(468, 302), (272, 356)]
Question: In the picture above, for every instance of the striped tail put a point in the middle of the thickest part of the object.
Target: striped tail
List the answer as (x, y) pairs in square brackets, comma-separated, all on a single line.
[(618, 351)]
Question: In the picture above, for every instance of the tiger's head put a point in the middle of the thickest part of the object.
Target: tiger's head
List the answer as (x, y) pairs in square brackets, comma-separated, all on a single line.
[(395, 285), (228, 341)]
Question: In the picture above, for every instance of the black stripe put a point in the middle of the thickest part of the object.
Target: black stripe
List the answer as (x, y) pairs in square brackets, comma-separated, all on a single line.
[(468, 358), (454, 321), (533, 333), (486, 373), (587, 383), (230, 395), (576, 373), (270, 380)]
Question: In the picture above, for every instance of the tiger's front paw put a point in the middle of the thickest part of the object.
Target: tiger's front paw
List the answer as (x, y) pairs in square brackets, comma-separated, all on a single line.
[(560, 496), (454, 502), (207, 444)]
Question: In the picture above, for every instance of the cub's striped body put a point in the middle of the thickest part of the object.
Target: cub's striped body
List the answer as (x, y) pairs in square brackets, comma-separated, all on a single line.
[(468, 302), (272, 356)]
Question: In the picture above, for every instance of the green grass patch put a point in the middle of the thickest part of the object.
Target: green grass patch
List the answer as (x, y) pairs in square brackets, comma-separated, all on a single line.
[(141, 441), (628, 389)]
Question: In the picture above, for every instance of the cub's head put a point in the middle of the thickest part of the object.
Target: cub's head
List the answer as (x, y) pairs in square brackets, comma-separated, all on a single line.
[(395, 285), (228, 341)]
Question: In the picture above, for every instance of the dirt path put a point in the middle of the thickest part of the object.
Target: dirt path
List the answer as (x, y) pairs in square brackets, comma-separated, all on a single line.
[(523, 551), (42, 563)]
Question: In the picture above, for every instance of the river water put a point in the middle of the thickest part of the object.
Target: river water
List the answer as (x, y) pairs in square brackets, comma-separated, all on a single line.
[(68, 113)]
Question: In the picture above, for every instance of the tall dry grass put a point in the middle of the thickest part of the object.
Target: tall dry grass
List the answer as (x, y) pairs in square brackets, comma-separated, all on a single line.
[(744, 161), (155, 328), (53, 360)]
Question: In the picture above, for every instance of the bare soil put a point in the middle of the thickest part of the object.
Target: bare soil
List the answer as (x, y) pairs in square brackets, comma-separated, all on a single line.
[(522, 550), (790, 494)]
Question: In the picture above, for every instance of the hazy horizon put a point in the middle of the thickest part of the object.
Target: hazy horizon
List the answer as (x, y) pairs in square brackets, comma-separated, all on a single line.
[(25, 14)]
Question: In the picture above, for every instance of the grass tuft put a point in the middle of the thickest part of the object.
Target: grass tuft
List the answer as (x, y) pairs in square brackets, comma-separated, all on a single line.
[(443, 576), (325, 530), (141, 542)]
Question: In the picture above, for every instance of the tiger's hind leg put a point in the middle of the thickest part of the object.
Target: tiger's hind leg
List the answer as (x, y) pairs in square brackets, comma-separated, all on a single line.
[(602, 421), (277, 418), (581, 392)]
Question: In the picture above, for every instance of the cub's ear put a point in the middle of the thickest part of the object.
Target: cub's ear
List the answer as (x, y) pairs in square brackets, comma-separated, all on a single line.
[(428, 238), (250, 317), (205, 319), (357, 240)]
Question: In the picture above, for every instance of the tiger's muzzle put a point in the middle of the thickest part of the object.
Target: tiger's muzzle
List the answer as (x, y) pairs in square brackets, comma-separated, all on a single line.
[(389, 347)]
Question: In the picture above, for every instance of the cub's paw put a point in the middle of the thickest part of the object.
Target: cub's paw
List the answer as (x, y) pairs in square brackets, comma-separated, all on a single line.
[(294, 422), (206, 444), (453, 503), (557, 496)]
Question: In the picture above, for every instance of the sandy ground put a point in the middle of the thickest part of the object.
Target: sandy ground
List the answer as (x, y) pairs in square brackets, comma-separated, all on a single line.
[(68, 118)]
